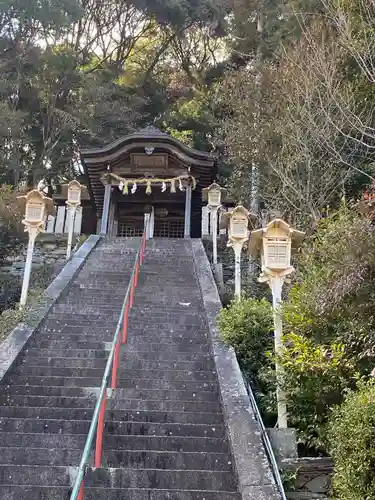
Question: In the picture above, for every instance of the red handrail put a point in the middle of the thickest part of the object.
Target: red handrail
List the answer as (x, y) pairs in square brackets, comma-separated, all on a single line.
[(98, 419)]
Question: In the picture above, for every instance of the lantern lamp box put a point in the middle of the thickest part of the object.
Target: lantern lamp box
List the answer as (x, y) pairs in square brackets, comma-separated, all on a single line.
[(34, 212), (74, 192), (237, 223), (275, 243), (213, 194), (36, 206)]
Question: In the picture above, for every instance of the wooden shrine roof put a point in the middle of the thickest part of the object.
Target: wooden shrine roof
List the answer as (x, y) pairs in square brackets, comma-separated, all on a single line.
[(97, 162)]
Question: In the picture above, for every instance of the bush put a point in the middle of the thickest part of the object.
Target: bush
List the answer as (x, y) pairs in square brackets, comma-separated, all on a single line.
[(10, 291), (9, 317), (247, 326), (315, 377), (333, 297), (352, 445), (12, 234)]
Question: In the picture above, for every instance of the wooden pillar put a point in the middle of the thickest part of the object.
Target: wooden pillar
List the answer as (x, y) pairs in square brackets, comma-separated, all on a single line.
[(111, 219), (187, 212), (105, 216)]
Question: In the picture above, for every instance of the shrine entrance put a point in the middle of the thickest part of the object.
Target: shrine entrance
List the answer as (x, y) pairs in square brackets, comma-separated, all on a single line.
[(167, 221), (148, 170), (168, 224)]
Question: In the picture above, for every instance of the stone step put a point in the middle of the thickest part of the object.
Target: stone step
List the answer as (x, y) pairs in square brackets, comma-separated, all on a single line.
[(55, 493), (115, 442), (75, 336), (142, 459), (94, 317), (74, 343), (119, 415), (161, 479), (109, 327), (134, 343), (66, 363), (114, 404), (38, 426), (39, 456), (158, 405), (7, 392), (119, 478), (184, 375), (161, 356), (67, 353), (130, 361), (74, 309), (165, 395), (133, 383), (194, 354), (149, 316)]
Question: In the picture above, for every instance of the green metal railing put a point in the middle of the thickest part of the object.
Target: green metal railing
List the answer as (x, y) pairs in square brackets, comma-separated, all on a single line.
[(98, 419)]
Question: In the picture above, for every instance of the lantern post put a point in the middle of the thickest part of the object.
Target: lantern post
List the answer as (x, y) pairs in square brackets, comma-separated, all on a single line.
[(74, 189), (213, 195), (237, 223), (36, 207), (275, 243)]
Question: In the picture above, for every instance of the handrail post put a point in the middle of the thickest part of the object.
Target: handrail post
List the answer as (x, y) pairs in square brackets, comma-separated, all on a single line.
[(115, 365), (132, 293), (99, 432), (136, 274), (80, 494), (142, 249), (125, 322)]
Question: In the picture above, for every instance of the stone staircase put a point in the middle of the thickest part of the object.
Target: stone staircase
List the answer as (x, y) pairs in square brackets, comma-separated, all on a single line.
[(164, 436)]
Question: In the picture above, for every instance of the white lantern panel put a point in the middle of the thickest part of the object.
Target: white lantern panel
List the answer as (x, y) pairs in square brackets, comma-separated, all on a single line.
[(214, 197), (239, 228), (74, 196), (34, 212), (277, 255)]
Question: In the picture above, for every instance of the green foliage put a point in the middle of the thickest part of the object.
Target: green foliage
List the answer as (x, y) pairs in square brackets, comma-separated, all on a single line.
[(333, 298), (87, 73), (10, 291), (12, 234), (351, 436), (247, 326), (314, 378)]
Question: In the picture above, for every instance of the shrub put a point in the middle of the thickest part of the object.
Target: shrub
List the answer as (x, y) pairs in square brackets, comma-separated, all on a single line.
[(352, 437), (39, 280), (314, 378), (247, 326), (10, 291), (333, 297), (12, 235)]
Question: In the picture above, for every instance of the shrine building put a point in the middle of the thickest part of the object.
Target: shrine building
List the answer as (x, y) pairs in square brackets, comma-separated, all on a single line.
[(148, 174)]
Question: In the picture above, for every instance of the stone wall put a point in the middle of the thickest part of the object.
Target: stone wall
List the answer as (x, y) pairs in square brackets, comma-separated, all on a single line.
[(249, 271), (312, 477), (48, 260), (50, 249)]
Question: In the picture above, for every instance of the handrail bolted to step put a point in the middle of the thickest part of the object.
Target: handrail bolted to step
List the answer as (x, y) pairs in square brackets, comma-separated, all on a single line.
[(98, 419)]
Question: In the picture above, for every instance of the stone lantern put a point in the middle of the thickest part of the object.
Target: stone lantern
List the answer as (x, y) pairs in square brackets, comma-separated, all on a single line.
[(36, 207), (237, 223), (213, 195), (73, 192), (274, 243)]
